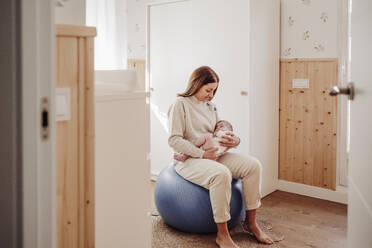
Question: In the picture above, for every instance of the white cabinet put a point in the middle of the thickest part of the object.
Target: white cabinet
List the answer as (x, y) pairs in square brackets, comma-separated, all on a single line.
[(122, 171)]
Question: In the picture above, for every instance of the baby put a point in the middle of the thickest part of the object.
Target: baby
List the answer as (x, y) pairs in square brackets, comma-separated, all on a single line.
[(208, 141)]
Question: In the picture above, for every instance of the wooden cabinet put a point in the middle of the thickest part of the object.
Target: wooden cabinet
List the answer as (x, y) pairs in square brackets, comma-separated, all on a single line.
[(75, 138)]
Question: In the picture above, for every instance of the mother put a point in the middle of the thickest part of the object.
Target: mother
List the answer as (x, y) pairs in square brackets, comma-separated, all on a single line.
[(193, 115)]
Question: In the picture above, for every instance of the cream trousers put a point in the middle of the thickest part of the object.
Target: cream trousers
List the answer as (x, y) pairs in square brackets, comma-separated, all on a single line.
[(216, 176)]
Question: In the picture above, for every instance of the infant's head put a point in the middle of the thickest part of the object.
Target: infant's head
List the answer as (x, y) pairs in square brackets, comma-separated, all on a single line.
[(222, 125)]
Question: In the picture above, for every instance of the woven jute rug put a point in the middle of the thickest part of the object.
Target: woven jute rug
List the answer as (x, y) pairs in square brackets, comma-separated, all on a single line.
[(164, 236)]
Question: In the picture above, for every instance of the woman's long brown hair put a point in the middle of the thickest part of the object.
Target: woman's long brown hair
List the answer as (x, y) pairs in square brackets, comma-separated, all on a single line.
[(200, 77)]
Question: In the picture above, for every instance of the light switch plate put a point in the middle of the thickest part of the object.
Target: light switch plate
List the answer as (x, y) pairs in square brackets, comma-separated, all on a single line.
[(63, 104), (300, 83)]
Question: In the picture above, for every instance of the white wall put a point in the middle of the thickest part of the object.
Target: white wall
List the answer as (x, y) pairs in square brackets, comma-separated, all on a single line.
[(291, 36), (137, 28), (72, 12), (264, 88), (309, 28)]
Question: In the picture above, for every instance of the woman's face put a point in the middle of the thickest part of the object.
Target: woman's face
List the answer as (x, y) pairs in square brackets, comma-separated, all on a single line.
[(205, 93)]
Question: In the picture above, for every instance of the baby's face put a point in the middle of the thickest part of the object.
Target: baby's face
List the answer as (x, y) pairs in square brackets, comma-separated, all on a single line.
[(222, 126)]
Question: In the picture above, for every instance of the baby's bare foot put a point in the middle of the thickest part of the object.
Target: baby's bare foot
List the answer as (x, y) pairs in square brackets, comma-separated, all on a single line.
[(258, 233), (225, 242)]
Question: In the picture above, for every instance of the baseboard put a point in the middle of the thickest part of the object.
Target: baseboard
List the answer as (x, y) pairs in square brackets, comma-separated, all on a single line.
[(265, 191), (339, 195)]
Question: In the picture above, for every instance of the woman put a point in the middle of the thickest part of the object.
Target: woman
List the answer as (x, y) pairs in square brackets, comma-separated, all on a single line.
[(193, 115)]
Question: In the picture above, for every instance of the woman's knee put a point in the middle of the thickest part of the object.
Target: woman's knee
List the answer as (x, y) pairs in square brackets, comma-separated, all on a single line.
[(251, 166), (256, 165), (223, 174)]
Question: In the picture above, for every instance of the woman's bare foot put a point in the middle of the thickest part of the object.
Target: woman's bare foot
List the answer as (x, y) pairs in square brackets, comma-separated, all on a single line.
[(258, 233), (225, 241)]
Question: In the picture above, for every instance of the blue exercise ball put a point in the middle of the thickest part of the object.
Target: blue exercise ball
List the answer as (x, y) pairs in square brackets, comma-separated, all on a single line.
[(187, 207)]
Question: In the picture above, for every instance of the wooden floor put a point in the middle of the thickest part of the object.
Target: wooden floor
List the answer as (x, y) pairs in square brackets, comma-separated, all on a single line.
[(304, 221)]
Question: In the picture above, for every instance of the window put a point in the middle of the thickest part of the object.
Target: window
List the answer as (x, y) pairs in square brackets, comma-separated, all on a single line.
[(110, 19)]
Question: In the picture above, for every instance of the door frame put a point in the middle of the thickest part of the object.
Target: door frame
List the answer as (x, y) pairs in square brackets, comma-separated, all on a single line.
[(39, 155), (343, 107)]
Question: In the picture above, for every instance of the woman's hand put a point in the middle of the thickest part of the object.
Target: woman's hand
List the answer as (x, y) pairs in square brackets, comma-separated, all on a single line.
[(230, 140), (211, 153)]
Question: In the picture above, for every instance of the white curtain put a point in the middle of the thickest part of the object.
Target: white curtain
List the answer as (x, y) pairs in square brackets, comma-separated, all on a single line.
[(109, 17)]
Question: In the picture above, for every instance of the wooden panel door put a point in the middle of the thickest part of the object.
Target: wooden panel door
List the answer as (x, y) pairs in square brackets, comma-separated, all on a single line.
[(308, 123)]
